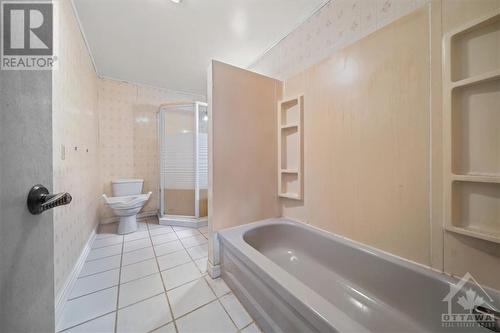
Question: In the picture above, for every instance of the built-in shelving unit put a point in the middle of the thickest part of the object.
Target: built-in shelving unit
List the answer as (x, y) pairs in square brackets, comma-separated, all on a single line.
[(472, 129), (290, 141)]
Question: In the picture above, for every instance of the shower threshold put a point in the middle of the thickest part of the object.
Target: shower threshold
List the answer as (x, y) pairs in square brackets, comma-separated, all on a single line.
[(183, 221)]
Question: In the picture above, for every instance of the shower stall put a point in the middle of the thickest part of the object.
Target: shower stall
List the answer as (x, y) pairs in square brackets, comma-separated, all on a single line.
[(183, 134)]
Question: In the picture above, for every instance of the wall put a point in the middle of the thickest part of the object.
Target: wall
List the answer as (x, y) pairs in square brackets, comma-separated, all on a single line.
[(128, 136), (336, 25), (75, 145), (242, 147), (366, 144), (26, 241)]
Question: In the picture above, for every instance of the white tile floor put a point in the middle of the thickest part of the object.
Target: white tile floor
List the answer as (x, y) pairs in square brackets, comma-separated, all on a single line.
[(153, 280)]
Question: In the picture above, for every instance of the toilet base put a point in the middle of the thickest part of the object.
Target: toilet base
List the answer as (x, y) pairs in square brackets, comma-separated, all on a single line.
[(127, 225)]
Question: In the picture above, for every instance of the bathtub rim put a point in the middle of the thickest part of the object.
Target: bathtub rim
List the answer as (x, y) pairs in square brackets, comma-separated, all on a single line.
[(298, 295), (296, 291)]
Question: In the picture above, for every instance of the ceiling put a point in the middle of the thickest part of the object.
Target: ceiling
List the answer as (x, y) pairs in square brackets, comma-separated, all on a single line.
[(163, 44)]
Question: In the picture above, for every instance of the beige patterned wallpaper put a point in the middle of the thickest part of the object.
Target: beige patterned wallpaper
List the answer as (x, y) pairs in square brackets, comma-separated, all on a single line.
[(128, 135), (336, 25), (75, 145)]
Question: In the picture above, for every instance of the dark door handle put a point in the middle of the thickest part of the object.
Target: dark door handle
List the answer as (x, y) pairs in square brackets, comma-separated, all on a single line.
[(40, 200)]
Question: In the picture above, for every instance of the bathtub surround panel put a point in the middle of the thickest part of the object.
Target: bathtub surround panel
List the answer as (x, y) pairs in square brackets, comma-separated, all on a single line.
[(242, 147), (128, 136), (366, 144), (26, 241), (75, 146)]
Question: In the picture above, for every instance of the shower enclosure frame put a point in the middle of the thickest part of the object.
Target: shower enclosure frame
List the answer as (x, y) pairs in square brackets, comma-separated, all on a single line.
[(181, 220)]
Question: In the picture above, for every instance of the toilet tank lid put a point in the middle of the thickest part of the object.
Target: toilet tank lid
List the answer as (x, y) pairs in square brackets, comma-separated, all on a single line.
[(127, 180)]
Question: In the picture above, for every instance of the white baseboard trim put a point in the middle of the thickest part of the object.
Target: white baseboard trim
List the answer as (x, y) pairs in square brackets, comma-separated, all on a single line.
[(71, 279), (183, 221), (213, 270), (213, 262), (114, 219)]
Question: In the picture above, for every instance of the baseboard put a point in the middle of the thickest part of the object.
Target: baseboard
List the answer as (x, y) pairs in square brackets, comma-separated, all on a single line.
[(71, 279), (115, 219), (183, 222), (213, 270)]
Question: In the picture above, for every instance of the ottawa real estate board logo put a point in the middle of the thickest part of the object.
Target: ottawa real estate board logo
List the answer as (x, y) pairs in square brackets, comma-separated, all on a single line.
[(27, 35), (470, 306)]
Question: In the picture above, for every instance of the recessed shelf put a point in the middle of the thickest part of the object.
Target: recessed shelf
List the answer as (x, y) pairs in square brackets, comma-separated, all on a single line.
[(471, 120), (475, 119), (485, 77), (485, 178), (291, 126), (468, 231), (289, 171), (476, 49), (290, 196), (476, 207), (290, 140)]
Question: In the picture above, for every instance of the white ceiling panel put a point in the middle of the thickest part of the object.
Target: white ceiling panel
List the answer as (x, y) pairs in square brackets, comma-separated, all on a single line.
[(168, 45)]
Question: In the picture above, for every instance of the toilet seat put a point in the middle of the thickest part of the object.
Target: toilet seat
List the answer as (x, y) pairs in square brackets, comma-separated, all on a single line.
[(126, 202), (127, 208)]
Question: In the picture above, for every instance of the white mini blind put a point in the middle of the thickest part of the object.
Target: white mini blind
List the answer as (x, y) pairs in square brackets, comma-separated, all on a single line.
[(203, 160), (178, 161)]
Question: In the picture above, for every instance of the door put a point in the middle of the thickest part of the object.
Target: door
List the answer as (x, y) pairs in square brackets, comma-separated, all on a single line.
[(26, 241), (178, 141)]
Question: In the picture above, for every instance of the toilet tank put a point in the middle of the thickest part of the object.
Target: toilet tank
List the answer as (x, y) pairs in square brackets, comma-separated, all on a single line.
[(124, 187)]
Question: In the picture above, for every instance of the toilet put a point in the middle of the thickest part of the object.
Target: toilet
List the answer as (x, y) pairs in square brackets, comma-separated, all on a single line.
[(126, 202)]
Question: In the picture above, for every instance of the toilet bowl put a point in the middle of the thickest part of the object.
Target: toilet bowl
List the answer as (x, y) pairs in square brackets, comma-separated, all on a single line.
[(126, 203)]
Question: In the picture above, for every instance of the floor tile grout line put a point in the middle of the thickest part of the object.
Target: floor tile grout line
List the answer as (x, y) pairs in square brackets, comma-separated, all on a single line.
[(118, 292), (91, 293), (105, 246), (86, 321), (142, 277), (222, 305), (197, 308), (163, 284), (154, 329), (155, 257), (113, 255), (92, 274), (140, 301), (185, 249), (247, 326), (163, 292)]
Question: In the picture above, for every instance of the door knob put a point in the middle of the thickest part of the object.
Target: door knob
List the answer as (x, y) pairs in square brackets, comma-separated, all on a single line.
[(40, 200)]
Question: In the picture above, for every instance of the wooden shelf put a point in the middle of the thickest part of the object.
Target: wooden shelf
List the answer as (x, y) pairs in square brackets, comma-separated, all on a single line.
[(471, 99), (476, 233), (290, 141)]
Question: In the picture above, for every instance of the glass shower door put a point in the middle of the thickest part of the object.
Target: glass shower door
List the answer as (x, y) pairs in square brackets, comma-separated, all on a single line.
[(178, 165), (184, 161), (202, 160)]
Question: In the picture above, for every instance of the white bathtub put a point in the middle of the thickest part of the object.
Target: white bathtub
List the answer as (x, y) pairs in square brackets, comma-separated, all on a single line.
[(294, 278)]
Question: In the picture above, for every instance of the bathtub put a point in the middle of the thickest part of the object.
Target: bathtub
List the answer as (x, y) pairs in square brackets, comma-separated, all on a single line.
[(292, 277)]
